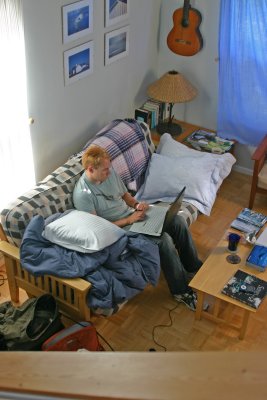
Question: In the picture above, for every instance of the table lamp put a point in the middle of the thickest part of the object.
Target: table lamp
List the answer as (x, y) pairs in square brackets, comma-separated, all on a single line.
[(171, 88)]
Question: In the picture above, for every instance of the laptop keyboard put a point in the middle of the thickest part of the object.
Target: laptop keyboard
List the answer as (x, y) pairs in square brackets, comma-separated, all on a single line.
[(152, 224)]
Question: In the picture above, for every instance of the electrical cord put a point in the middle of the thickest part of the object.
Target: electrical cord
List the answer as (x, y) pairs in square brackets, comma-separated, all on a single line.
[(163, 326)]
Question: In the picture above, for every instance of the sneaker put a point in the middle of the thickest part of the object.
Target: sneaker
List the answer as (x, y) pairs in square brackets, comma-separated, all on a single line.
[(190, 300)]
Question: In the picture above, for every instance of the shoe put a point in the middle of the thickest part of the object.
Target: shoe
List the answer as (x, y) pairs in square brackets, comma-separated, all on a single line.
[(190, 300)]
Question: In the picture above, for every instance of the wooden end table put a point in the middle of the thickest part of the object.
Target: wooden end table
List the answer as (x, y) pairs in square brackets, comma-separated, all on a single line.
[(213, 275), (187, 129)]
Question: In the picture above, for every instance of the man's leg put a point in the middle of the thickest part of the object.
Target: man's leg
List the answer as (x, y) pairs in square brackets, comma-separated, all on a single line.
[(184, 244), (171, 265)]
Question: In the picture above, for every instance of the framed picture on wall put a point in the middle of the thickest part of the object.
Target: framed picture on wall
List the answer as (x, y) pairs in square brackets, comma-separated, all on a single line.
[(78, 62), (116, 11), (77, 20), (116, 44)]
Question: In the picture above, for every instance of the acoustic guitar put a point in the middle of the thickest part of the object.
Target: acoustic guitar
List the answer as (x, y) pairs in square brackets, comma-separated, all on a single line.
[(185, 38)]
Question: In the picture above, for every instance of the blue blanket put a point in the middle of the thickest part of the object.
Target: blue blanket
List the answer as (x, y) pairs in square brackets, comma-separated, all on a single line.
[(117, 273)]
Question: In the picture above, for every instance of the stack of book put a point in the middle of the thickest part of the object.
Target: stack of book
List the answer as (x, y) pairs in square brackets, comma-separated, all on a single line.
[(249, 221), (152, 112), (258, 255), (209, 141)]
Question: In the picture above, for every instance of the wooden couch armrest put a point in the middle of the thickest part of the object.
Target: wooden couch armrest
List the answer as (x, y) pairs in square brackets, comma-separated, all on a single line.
[(9, 250), (13, 252), (69, 293)]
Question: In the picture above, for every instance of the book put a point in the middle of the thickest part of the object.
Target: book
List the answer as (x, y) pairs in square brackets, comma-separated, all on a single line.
[(154, 112), (209, 141), (257, 258), (249, 221), (246, 288), (143, 116)]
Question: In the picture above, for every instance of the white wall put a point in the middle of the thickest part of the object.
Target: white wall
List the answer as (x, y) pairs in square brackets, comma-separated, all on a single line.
[(67, 116), (200, 69)]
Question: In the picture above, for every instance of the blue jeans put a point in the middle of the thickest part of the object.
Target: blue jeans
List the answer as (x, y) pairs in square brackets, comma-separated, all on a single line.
[(178, 255)]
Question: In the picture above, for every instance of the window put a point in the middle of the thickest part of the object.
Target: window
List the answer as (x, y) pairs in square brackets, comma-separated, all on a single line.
[(16, 170), (242, 105)]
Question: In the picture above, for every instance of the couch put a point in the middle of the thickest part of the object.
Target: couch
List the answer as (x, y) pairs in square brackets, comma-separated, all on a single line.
[(132, 153), (130, 146)]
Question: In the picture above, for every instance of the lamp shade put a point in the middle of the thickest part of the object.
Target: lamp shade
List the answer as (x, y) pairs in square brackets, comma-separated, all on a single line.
[(172, 87)]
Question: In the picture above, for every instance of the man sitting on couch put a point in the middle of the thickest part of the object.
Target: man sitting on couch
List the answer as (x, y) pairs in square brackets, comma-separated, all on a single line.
[(101, 191)]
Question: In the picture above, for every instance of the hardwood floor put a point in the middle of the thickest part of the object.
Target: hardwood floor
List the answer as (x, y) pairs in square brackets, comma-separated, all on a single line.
[(155, 313)]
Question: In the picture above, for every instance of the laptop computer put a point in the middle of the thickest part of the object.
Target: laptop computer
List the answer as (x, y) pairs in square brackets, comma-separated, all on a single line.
[(158, 218)]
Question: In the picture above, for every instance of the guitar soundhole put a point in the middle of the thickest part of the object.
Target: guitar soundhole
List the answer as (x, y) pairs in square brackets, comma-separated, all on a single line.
[(185, 23)]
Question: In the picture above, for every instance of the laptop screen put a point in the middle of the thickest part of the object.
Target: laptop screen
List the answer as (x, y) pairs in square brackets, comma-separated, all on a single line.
[(174, 209)]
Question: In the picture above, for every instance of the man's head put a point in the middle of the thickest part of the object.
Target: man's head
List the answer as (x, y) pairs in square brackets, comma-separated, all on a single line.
[(96, 162)]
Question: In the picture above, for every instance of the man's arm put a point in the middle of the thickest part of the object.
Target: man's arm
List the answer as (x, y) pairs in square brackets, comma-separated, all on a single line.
[(131, 202), (138, 215)]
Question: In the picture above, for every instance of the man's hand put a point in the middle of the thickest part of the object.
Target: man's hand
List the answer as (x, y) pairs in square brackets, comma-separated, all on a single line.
[(142, 207), (136, 216)]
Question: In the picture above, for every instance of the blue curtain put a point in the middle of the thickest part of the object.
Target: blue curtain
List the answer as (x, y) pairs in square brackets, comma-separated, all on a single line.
[(242, 103)]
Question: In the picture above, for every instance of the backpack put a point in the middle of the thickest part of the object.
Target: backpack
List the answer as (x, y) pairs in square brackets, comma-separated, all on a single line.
[(26, 327), (82, 335)]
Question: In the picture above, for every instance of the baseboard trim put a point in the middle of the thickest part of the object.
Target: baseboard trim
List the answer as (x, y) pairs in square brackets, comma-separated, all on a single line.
[(242, 170)]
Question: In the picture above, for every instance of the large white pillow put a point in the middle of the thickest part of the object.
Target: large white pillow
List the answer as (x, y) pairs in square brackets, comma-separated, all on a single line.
[(166, 176), (176, 165), (170, 147), (83, 232)]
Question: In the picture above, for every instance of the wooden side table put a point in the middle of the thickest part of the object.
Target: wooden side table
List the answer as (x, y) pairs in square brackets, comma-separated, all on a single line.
[(213, 275), (187, 129)]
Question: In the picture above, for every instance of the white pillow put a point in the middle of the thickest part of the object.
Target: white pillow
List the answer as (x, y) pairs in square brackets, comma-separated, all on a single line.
[(176, 165), (83, 232), (170, 147), (166, 176)]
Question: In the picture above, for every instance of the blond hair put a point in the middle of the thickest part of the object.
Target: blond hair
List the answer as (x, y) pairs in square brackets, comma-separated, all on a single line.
[(94, 155)]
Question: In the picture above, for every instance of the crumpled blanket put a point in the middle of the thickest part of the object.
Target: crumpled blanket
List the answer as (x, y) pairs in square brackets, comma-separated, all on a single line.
[(117, 273)]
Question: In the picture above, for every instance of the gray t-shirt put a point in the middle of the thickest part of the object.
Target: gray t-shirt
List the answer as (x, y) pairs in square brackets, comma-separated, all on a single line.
[(104, 199)]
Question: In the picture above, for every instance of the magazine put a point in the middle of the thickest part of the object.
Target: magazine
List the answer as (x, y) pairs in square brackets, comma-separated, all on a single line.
[(209, 141), (249, 221), (246, 288)]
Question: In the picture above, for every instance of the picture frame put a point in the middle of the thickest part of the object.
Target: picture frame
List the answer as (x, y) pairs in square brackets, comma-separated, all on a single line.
[(116, 11), (78, 62), (77, 20), (116, 44)]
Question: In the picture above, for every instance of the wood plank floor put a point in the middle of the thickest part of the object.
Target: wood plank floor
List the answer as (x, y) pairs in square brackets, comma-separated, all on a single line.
[(154, 313)]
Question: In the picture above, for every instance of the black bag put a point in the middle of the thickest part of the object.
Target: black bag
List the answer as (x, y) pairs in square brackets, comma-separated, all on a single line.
[(26, 327)]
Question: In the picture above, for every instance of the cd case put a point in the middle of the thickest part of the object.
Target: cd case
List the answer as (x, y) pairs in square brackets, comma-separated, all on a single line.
[(246, 288)]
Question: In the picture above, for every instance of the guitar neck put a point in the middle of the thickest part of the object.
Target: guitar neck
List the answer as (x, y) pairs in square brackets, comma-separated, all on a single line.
[(186, 7)]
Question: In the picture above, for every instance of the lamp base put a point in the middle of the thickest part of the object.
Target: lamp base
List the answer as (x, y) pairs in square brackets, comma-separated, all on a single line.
[(169, 127)]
